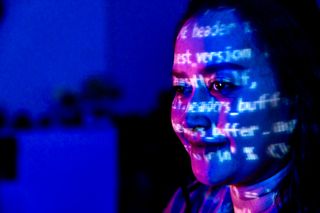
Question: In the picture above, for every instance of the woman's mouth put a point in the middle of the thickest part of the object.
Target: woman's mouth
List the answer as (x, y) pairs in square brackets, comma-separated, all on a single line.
[(207, 147), (201, 145), (217, 151)]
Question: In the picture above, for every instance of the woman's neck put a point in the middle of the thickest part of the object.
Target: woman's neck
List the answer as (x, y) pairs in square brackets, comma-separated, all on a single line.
[(260, 197)]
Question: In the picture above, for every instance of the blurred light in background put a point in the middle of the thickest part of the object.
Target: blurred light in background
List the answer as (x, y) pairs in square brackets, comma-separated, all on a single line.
[(80, 83)]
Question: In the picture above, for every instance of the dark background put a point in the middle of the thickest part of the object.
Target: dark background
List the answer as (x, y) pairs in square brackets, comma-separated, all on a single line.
[(85, 96)]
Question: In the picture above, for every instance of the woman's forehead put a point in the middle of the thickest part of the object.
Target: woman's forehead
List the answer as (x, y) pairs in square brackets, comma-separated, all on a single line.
[(213, 37), (220, 25), (214, 24)]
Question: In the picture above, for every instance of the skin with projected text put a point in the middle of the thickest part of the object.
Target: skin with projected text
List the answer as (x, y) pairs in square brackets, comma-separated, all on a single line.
[(228, 110)]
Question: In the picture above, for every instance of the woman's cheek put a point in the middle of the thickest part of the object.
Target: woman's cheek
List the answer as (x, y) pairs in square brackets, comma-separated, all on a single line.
[(178, 109)]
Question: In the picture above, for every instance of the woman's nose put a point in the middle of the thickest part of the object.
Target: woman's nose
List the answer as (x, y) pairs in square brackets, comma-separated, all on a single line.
[(198, 121), (199, 111)]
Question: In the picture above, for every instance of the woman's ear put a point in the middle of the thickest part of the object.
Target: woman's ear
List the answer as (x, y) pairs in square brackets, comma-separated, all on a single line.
[(293, 110), (292, 104), (295, 105)]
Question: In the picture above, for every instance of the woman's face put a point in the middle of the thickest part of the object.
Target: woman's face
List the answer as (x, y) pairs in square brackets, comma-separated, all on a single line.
[(228, 110)]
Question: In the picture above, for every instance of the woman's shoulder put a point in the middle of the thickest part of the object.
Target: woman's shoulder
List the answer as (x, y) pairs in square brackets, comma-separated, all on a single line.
[(198, 197)]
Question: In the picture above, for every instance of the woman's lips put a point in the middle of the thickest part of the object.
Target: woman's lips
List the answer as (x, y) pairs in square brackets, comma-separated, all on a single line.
[(201, 145), (210, 152), (206, 147), (206, 144)]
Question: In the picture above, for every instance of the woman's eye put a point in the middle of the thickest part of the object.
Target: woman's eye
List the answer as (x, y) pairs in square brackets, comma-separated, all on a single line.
[(184, 90), (222, 86)]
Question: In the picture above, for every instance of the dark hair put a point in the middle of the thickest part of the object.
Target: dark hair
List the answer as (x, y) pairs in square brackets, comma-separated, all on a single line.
[(286, 30)]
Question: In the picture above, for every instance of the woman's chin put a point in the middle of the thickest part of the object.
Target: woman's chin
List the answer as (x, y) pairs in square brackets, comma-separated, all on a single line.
[(212, 173)]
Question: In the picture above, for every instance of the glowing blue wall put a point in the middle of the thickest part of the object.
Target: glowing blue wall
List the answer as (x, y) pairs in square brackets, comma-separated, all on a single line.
[(47, 47)]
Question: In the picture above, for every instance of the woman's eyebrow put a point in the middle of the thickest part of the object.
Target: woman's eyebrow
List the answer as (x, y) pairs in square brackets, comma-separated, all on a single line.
[(179, 74), (212, 68), (222, 66)]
